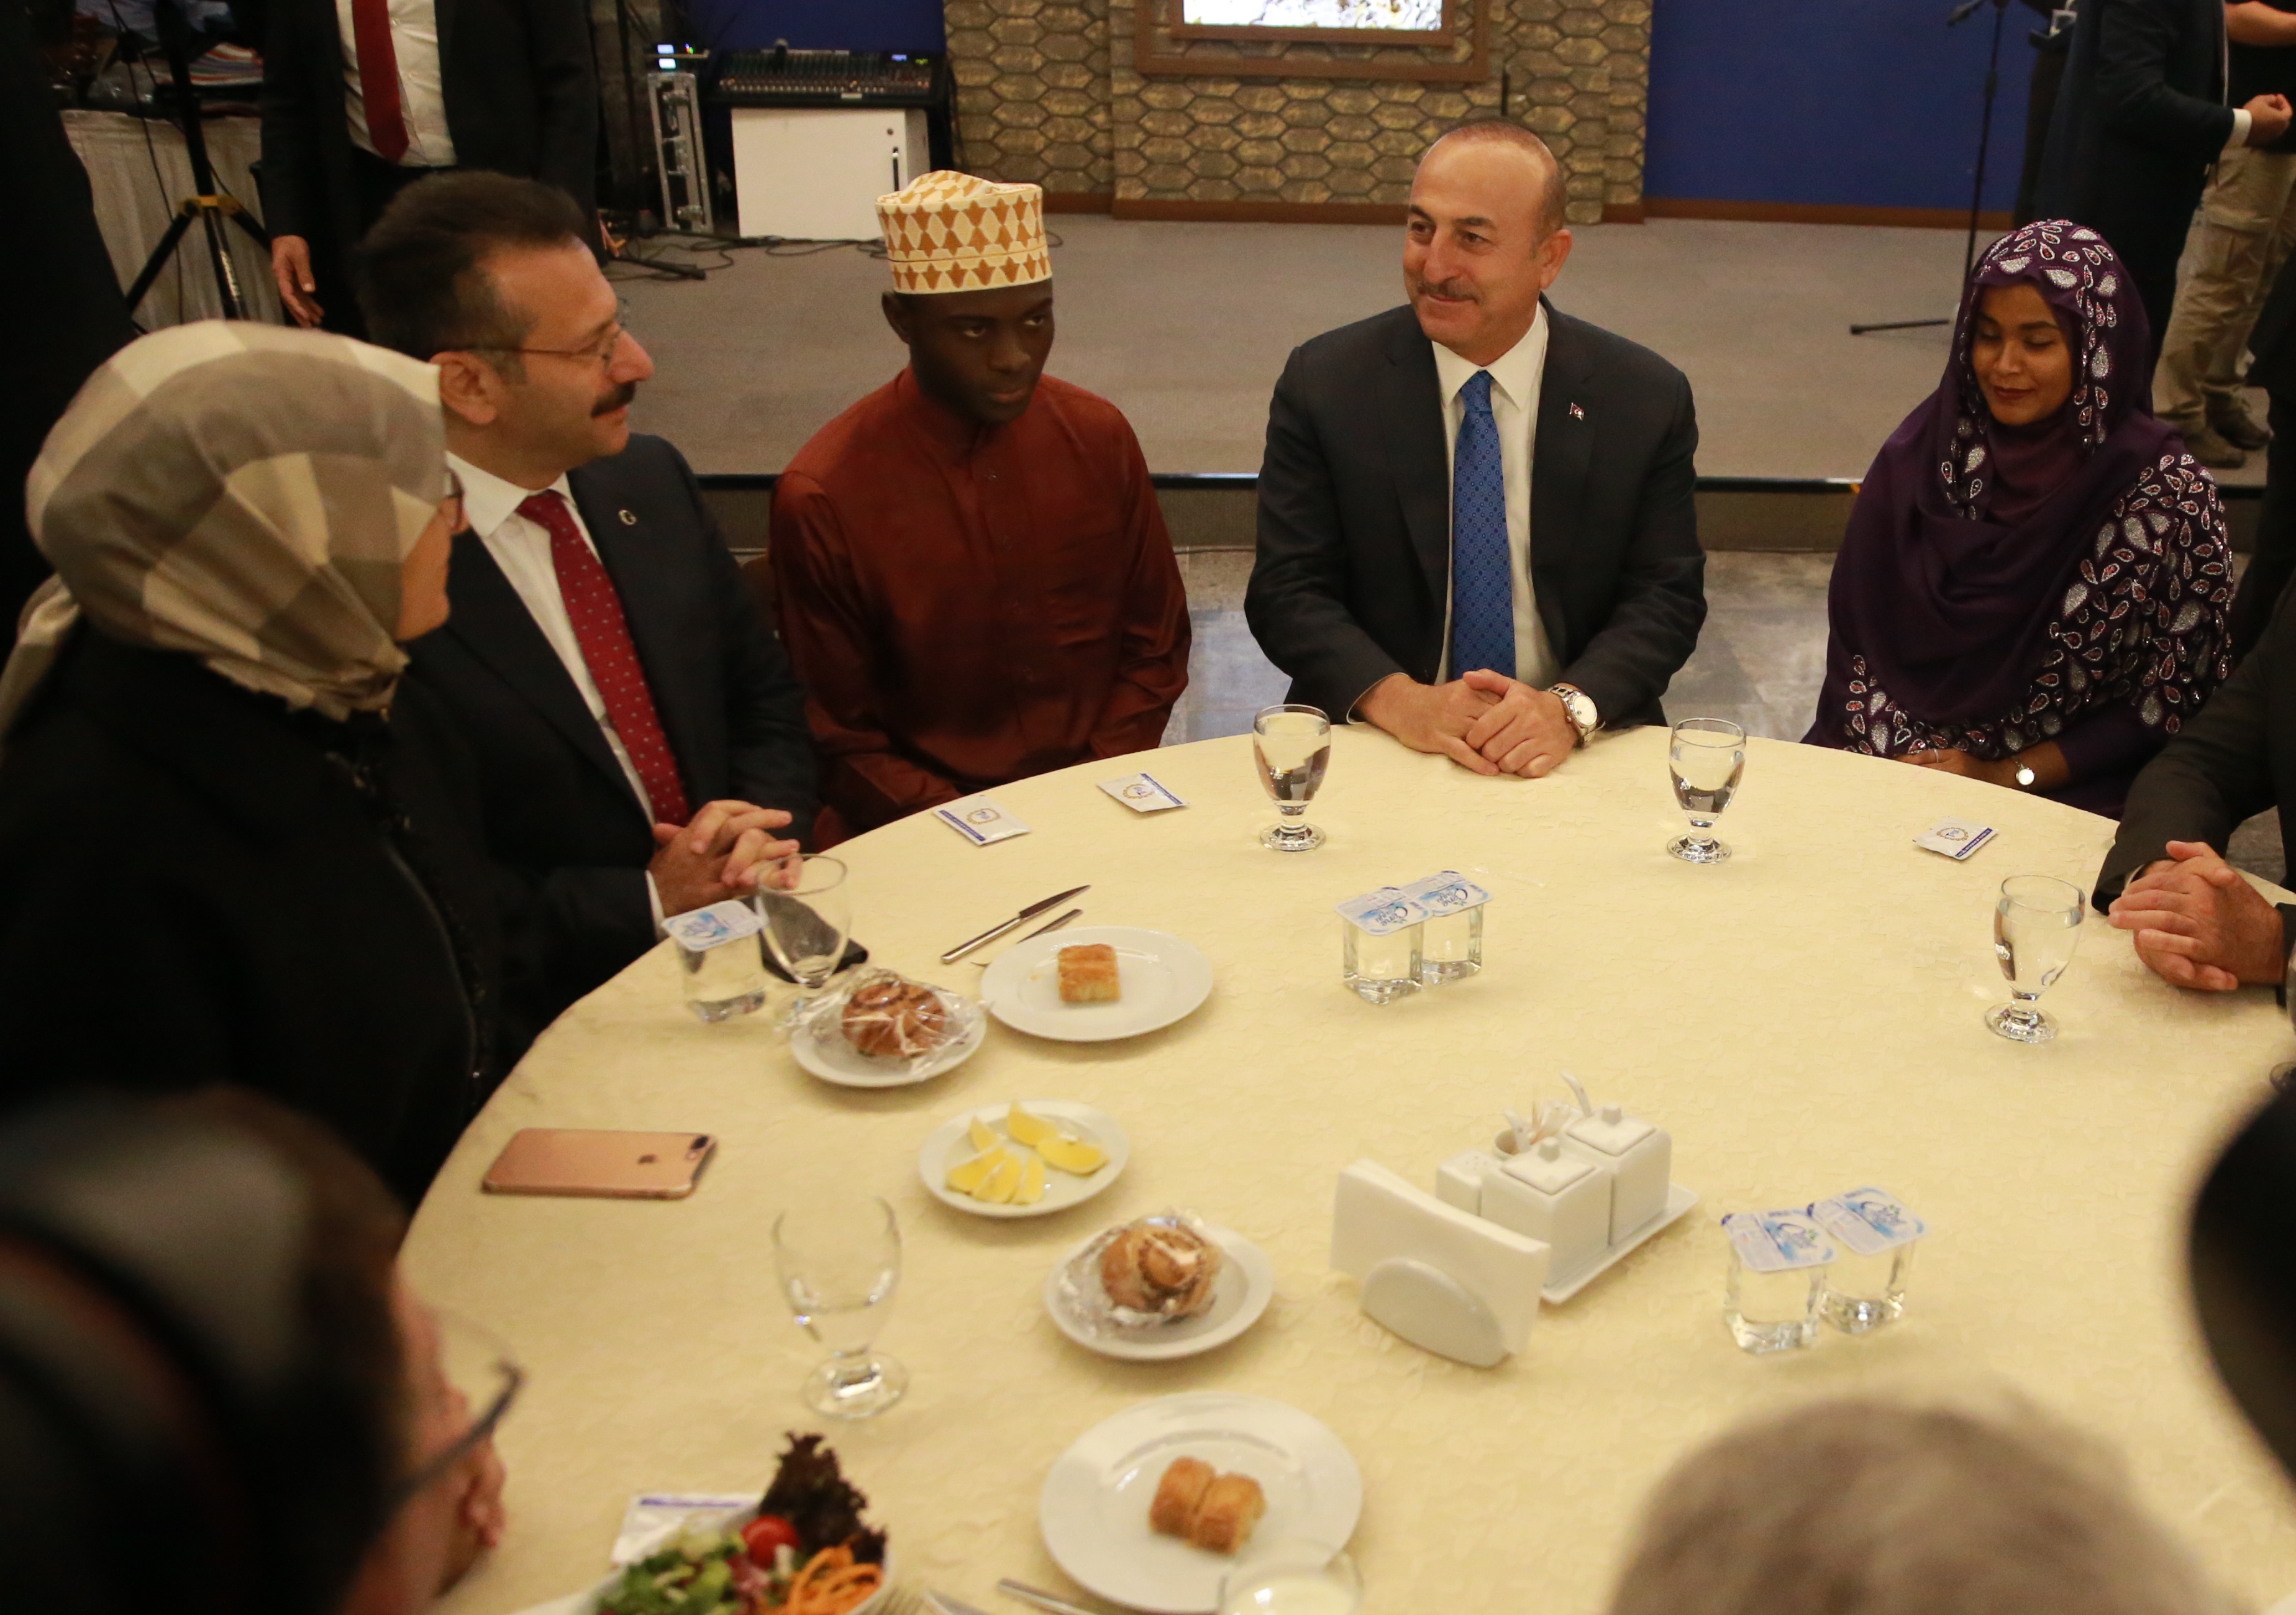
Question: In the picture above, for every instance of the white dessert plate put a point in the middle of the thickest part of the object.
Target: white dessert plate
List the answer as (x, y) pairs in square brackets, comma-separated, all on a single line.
[(1245, 1286), (1678, 1200), (1164, 979), (949, 1147), (830, 1057), (1094, 1510)]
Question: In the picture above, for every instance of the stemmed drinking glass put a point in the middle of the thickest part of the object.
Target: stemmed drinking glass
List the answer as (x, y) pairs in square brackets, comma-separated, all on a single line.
[(838, 1261), (1705, 756), (2036, 926), (1293, 747), (1292, 1576), (808, 914)]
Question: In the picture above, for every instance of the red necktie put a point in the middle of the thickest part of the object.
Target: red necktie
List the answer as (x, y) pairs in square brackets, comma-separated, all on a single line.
[(378, 70), (604, 634)]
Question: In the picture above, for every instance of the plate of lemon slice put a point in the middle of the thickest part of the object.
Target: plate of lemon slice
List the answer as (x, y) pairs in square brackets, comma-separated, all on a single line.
[(1030, 1158)]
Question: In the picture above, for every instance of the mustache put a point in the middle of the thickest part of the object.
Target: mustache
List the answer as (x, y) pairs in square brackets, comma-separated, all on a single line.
[(1464, 291), (616, 399)]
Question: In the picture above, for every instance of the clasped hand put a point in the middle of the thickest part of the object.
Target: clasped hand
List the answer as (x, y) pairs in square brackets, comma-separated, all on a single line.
[(1483, 721), (2198, 924), (726, 850)]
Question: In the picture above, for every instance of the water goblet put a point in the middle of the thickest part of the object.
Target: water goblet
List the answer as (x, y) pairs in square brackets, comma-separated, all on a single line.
[(807, 913), (1293, 746), (1292, 1576), (838, 1261), (1705, 756), (2036, 926)]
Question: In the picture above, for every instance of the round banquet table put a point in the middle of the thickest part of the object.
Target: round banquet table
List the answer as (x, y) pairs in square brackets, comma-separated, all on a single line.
[(1804, 1019)]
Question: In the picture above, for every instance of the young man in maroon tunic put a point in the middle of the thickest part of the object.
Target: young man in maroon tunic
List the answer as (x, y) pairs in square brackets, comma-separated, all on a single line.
[(974, 578)]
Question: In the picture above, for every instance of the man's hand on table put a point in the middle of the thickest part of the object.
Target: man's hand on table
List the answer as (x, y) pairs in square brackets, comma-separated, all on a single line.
[(2198, 924), (722, 852), (1523, 730), (1485, 722)]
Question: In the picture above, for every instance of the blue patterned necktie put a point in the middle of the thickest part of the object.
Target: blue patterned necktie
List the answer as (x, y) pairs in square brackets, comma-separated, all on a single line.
[(1482, 575)]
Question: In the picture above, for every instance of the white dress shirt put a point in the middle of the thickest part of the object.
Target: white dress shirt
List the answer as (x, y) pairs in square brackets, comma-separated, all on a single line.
[(1515, 377), (422, 84)]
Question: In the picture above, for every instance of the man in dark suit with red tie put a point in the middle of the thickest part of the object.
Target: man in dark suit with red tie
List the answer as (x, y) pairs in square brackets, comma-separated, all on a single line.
[(639, 737), (362, 97)]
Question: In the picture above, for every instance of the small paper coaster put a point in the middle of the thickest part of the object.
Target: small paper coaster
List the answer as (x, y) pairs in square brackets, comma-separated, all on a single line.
[(1142, 793), (980, 821), (1957, 839)]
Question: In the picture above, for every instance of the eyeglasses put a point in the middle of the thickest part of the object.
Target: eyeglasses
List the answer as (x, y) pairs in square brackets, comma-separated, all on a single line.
[(480, 1368), (600, 353)]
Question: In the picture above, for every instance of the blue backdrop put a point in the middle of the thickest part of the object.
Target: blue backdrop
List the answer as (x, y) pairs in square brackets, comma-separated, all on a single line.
[(1848, 103), (841, 25)]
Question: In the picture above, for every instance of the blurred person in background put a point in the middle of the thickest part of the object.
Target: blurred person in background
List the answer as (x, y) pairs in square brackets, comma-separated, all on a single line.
[(216, 1392), (2139, 116), (361, 98), (1869, 1507), (228, 852), (2025, 505), (2241, 236)]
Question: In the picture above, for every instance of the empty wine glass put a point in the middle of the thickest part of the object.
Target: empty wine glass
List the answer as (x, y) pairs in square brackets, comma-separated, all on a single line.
[(807, 922), (1292, 1576), (839, 1259), (1705, 756), (2036, 926), (1293, 747)]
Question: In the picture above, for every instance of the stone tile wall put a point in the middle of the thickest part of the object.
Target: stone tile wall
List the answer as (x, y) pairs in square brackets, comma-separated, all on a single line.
[(1047, 92)]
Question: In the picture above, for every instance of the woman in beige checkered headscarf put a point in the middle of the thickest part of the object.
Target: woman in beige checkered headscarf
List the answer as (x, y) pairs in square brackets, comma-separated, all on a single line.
[(233, 848), (246, 494)]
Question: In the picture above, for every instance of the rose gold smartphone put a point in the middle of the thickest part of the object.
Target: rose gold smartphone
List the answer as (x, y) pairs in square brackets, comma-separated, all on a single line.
[(588, 1161)]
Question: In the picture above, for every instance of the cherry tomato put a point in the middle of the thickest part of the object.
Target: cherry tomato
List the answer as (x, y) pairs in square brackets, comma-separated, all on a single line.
[(765, 1533)]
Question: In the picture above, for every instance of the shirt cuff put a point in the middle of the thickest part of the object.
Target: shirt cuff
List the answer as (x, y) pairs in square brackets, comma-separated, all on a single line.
[(653, 900), (2241, 120)]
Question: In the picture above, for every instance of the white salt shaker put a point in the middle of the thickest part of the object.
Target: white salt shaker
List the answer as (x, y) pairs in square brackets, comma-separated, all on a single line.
[(1640, 1156), (1560, 1199), (1459, 1181)]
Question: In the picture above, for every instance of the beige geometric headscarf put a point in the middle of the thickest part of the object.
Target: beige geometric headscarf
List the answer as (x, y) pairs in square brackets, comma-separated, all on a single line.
[(243, 493)]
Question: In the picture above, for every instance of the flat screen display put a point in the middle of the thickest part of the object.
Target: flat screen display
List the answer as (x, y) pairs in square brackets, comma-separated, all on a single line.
[(1398, 16)]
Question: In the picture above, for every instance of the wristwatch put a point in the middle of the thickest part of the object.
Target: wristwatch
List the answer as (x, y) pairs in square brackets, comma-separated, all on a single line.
[(2025, 777), (1578, 706)]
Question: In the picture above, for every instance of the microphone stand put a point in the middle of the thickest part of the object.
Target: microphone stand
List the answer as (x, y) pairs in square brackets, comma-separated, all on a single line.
[(1960, 14)]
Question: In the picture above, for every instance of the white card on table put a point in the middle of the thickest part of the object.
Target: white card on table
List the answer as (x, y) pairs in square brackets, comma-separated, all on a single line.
[(980, 821), (1142, 794), (1957, 839)]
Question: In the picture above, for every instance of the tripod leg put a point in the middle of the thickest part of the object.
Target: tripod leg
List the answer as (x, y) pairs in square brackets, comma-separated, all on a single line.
[(226, 273), (158, 261), (262, 237)]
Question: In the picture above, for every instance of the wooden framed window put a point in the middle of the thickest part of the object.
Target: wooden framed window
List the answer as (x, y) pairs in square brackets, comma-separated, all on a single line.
[(1427, 41)]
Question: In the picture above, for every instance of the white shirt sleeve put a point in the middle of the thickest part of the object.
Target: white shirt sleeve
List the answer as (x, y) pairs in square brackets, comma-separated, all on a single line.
[(2240, 121)]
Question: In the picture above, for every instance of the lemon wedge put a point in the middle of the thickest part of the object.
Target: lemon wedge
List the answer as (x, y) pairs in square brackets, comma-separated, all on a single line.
[(1072, 1155), (1001, 1183), (967, 1177), (1032, 1179), (1026, 1128), (978, 1135)]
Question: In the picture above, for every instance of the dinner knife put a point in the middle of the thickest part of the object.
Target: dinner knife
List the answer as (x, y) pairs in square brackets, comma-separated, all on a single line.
[(1022, 918), (1044, 1601), (1053, 924)]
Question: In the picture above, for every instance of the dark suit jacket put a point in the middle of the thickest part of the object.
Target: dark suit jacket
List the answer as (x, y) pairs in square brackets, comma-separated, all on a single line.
[(522, 98), (1355, 516), (313, 922), (2139, 118), (2234, 759), (567, 834)]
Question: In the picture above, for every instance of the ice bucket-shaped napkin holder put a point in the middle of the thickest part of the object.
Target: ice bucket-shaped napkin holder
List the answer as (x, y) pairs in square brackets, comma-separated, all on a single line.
[(1444, 1280)]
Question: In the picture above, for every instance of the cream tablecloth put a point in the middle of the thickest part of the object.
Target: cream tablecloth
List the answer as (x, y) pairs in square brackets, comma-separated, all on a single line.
[(1805, 1018)]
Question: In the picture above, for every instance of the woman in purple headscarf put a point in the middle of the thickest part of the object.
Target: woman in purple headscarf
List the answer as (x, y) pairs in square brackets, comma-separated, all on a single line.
[(2034, 588)]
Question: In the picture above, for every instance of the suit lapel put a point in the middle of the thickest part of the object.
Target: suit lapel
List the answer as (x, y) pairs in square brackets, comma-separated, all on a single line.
[(444, 10), (494, 624), (1559, 456), (619, 533), (1411, 410)]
